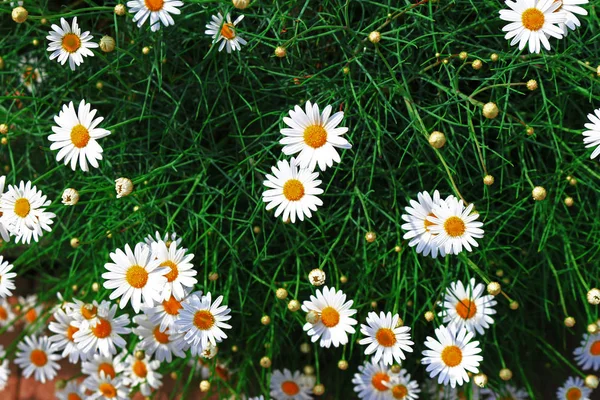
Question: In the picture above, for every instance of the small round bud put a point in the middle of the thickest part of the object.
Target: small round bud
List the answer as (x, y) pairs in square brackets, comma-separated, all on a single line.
[(437, 139), (592, 328), (70, 197), (494, 57), (3, 129), (4, 140), (146, 50), (346, 70), (74, 243), (265, 320), (265, 362), (317, 277), (136, 208), (395, 368), (240, 4), (593, 296), (312, 317), (463, 55), (370, 236), (572, 181), (399, 323), (538, 193), (204, 386), (99, 85), (1, 63), (437, 55), (374, 37), (43, 21), (280, 51), (530, 131), (309, 370), (445, 61), (514, 305), (480, 380), (139, 354), (60, 384), (532, 84), (294, 305), (488, 180), (397, 249), (429, 316), (213, 276), (123, 186), (120, 10), (569, 202), (373, 304), (343, 365), (319, 389), (109, 234), (95, 287), (256, 229), (477, 64), (35, 42), (569, 322), (107, 44), (305, 348), (19, 14), (281, 293), (499, 273), (343, 279), (494, 288), (505, 374), (490, 110), (234, 348), (591, 381), (174, 375)]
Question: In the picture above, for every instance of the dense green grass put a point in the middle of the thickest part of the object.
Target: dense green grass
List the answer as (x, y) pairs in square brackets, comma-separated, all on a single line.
[(196, 130)]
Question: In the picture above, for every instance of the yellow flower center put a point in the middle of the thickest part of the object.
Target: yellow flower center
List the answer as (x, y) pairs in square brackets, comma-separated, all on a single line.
[(315, 136), (574, 394), (102, 329), (139, 368), (38, 357), (108, 369), (172, 306), (22, 207), (454, 226), (137, 276), (31, 315), (452, 356), (3, 314), (330, 317), (533, 19), (73, 396), (227, 31), (204, 320), (293, 190), (378, 379), (71, 331), (71, 42), (595, 348), (107, 390), (466, 309), (80, 136), (399, 391), (161, 337), (154, 5), (290, 388), (88, 311), (172, 275), (385, 337), (428, 223)]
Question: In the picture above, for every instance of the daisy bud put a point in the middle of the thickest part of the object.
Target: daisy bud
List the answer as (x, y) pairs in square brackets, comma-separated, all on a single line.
[(305, 348), (445, 61), (395, 368), (592, 328), (234, 348), (346, 70), (538, 193), (312, 317), (494, 57), (70, 197), (1, 63), (3, 129), (107, 44), (19, 15), (120, 10), (317, 277), (343, 365), (319, 389), (174, 375), (505, 374), (265, 362), (591, 381), (294, 305), (477, 64), (397, 249), (370, 236), (569, 322), (494, 288), (374, 37), (593, 296), (95, 287), (99, 85), (109, 234), (4, 141), (532, 84), (74, 243), (43, 21), (463, 55), (343, 279), (373, 304), (429, 316), (488, 180), (530, 131), (309, 370), (240, 4), (124, 187), (139, 354), (256, 229), (60, 384), (480, 380), (265, 320), (499, 273), (514, 305), (437, 55), (490, 110), (437, 139), (598, 70), (213, 276), (572, 181), (204, 386), (280, 51), (35, 42), (569, 202), (146, 50), (281, 293)]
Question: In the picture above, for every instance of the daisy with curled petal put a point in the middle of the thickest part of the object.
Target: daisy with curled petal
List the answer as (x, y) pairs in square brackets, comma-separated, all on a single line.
[(3, 229), (401, 387), (68, 43), (6, 278), (507, 392), (63, 338), (455, 226), (466, 305), (371, 382), (574, 389), (157, 10), (4, 369), (142, 372), (570, 8), (36, 356), (451, 354), (334, 313), (225, 33), (161, 344), (165, 313), (181, 271), (314, 135), (532, 21), (73, 391), (106, 388), (591, 137), (293, 191), (288, 386), (110, 366), (587, 355), (105, 336), (385, 338), (76, 136), (203, 321), (135, 275), (6, 315)]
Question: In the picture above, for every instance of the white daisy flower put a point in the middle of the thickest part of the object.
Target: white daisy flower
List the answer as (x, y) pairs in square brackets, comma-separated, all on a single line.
[(24, 213), (32, 74), (293, 191), (167, 238), (587, 355), (106, 388), (3, 229), (161, 344), (4, 369), (166, 313), (569, 8), (73, 391), (507, 392), (314, 135), (76, 136), (36, 356), (135, 275), (334, 313), (31, 308), (143, 373), (105, 336), (372, 381), (468, 307), (158, 11), (225, 32), (181, 271), (68, 43), (109, 366), (401, 387), (288, 386), (203, 321), (455, 226), (385, 338), (532, 21), (574, 389), (451, 354), (6, 278), (592, 135), (6, 315), (63, 338)]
